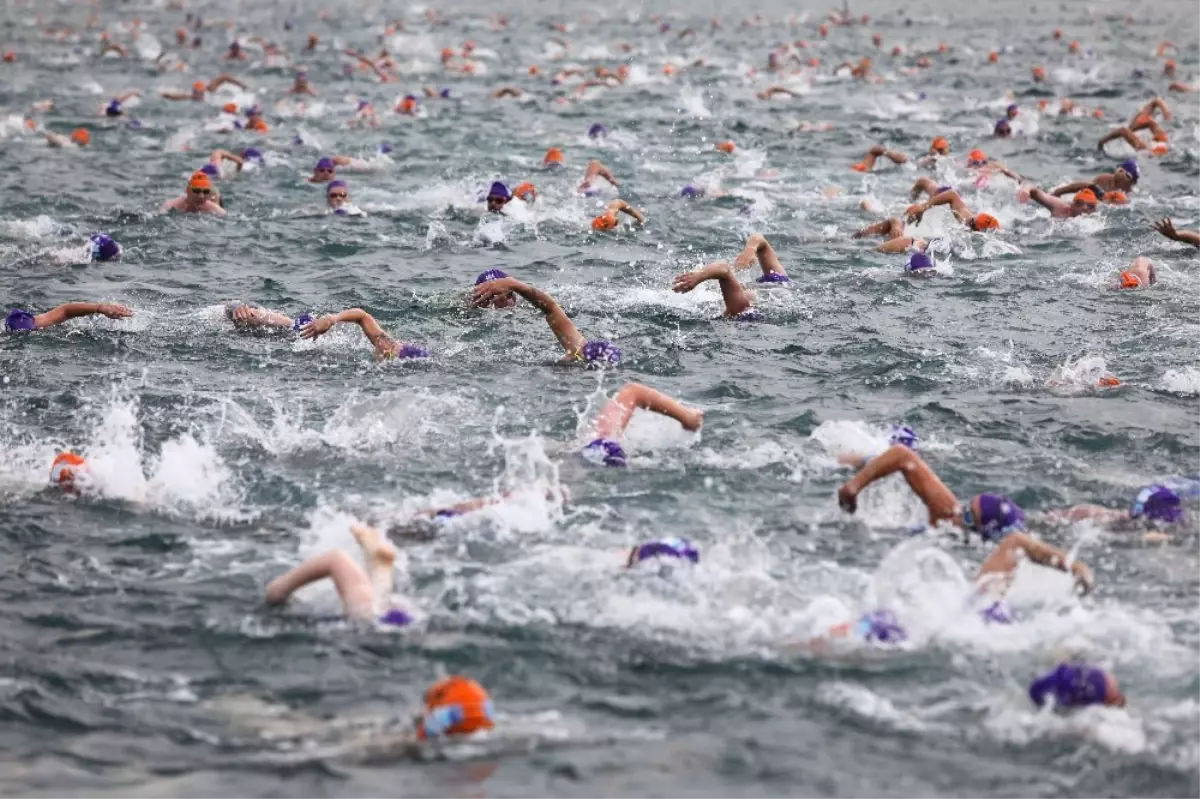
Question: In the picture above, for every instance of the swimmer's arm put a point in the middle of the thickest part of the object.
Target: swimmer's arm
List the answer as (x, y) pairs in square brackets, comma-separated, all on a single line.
[(732, 292), (1070, 188), (57, 140), (73, 310), (468, 506), (612, 420), (897, 245), (370, 328), (121, 98), (1041, 553), (564, 329), (597, 168), (224, 155), (891, 155), (222, 79), (924, 482), (174, 95), (1122, 133), (890, 227), (506, 91), (1167, 228), (626, 208), (951, 198), (1046, 201), (757, 247), (249, 316), (1161, 105), (213, 208)]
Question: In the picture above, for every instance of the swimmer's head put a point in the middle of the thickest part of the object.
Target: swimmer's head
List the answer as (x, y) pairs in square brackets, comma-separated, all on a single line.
[(81, 137), (553, 158), (1140, 274), (337, 193), (597, 131), (1085, 201), (774, 277), (1012, 111), (993, 516), (1039, 74), (1157, 503), (599, 352), (19, 320), (252, 155), (505, 301), (113, 109), (1073, 685), (303, 320), (444, 93), (1003, 130), (940, 146), (976, 158), (606, 221), (229, 108), (396, 618), (199, 186), (525, 191), (605, 452), (919, 262), (673, 548), (211, 170), (66, 469), (455, 706), (1115, 197), (691, 192), (984, 221), (726, 147), (385, 147), (880, 626), (905, 436), (323, 170), (103, 247), (408, 105), (498, 195), (1127, 172), (1159, 148)]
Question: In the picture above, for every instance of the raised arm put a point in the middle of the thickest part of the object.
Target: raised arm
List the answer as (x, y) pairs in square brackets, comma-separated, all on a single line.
[(380, 340), (564, 329), (889, 228), (249, 316), (1121, 133), (224, 78), (614, 417), (736, 299), (1046, 200), (949, 197), (1005, 558), (625, 208), (597, 169), (224, 155), (924, 482), (1167, 228), (757, 247), (72, 310), (1070, 188), (121, 98)]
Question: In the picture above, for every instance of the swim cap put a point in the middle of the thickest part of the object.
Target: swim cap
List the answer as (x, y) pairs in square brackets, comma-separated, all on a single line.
[(363, 104), (596, 131), (455, 706), (940, 145), (1130, 280), (1130, 168), (880, 626), (229, 108), (1012, 107), (198, 86), (252, 154), (976, 158), (199, 180), (859, 166), (408, 104), (905, 435), (998, 516), (774, 277), (525, 191), (553, 157), (726, 146), (385, 147), (1086, 196), (1159, 148), (605, 451), (1158, 504), (919, 261), (210, 169), (490, 275), (103, 247), (444, 94), (135, 123), (751, 314), (336, 184), (691, 192), (498, 189), (81, 137), (1002, 129), (324, 163), (1070, 685), (19, 319), (997, 613), (341, 211), (65, 469), (678, 548), (600, 351), (114, 108), (411, 351), (985, 221), (606, 221), (396, 617), (1115, 197), (303, 320)]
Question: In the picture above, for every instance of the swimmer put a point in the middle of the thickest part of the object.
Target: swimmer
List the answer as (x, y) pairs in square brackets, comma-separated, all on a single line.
[(892, 229), (199, 199), (1144, 118), (1139, 275), (1084, 202), (1155, 506), (772, 92), (20, 320), (1002, 130), (508, 91), (1123, 179), (739, 303), (553, 159), (1167, 228), (1159, 147), (115, 107), (325, 167), (940, 147), (250, 317), (217, 161), (498, 196), (300, 83), (608, 427), (69, 472), (993, 517), (368, 63), (366, 594), (868, 161), (364, 116), (978, 222), (525, 191), (495, 293), (235, 52), (408, 106), (337, 198), (78, 138), (928, 186), (594, 170), (1073, 685), (200, 89), (255, 121), (384, 346), (609, 220), (674, 548)]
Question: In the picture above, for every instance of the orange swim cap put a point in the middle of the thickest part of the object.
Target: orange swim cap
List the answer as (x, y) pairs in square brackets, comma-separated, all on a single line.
[(553, 156), (525, 191), (993, 57), (976, 158), (533, 70), (1074, 46), (1043, 104), (257, 124), (940, 145), (986, 221), (447, 54), (606, 221), (455, 706), (9, 56), (1058, 34), (199, 86), (1115, 197), (1108, 381), (229, 108), (1098, 113), (726, 146), (814, 62), (1130, 281), (1160, 136), (408, 105), (1159, 148), (1039, 73), (65, 469), (199, 180), (943, 47), (860, 166), (668, 69), (1086, 196), (81, 137)]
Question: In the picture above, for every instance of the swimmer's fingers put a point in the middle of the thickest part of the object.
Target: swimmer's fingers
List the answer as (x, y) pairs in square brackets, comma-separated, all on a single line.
[(847, 499), (686, 282), (1084, 580), (317, 327), (115, 311), (693, 421), (915, 212)]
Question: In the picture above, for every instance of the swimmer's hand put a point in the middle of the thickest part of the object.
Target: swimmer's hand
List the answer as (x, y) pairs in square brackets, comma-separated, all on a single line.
[(113, 311), (877, 150), (318, 327), (915, 212), (848, 499), (485, 294), (1167, 228), (247, 315), (692, 420), (686, 282), (1084, 580)]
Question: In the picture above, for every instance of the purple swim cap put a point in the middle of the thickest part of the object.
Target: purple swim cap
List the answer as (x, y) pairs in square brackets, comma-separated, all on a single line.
[(903, 434), (385, 147), (918, 262), (114, 108), (600, 351), (881, 626), (336, 184), (677, 548), (324, 163), (1012, 107), (1070, 685), (252, 154), (254, 111), (412, 351), (498, 189), (444, 94), (210, 169), (1002, 129), (1158, 504), (303, 320), (998, 516), (135, 123), (1131, 168), (596, 131), (19, 319), (363, 104), (774, 277), (691, 192), (340, 212), (396, 618), (103, 247), (997, 613), (490, 275), (605, 451), (751, 314)]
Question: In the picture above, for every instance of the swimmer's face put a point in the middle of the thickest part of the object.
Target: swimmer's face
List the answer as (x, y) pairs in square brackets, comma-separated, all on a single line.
[(1122, 180), (1080, 207), (495, 203), (337, 198), (198, 195), (505, 301), (322, 174)]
